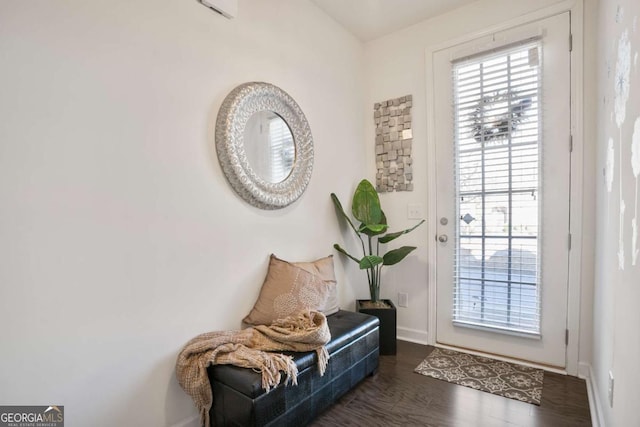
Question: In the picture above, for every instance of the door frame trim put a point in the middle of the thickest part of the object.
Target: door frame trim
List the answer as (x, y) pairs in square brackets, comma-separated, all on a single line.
[(574, 291)]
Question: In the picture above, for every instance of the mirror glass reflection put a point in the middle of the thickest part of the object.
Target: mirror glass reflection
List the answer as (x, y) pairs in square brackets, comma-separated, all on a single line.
[(268, 144)]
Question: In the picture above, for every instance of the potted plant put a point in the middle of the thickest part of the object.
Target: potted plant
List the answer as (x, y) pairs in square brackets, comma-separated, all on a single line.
[(366, 209)]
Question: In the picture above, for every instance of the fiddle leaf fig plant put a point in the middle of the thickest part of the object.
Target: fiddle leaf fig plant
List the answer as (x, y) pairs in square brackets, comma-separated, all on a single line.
[(367, 211)]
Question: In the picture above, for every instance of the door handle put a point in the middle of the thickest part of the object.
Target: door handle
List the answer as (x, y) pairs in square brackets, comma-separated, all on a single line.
[(443, 238)]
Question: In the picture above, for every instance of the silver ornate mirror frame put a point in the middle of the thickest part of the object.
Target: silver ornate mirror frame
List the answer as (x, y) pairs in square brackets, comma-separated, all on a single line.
[(244, 101)]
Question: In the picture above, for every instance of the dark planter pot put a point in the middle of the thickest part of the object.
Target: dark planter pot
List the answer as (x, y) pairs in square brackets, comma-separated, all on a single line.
[(387, 318)]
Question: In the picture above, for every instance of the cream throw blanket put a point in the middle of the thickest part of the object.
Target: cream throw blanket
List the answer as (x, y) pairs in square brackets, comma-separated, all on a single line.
[(248, 348)]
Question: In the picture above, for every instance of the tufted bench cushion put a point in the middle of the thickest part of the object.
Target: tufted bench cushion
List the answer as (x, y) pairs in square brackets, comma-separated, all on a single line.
[(239, 400)]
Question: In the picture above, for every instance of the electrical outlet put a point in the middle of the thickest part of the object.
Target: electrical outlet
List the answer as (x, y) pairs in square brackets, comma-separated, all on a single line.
[(403, 299), (610, 391), (415, 211)]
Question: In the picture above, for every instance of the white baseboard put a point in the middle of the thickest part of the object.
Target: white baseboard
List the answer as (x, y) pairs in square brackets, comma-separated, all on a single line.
[(412, 335), (585, 371), (188, 422)]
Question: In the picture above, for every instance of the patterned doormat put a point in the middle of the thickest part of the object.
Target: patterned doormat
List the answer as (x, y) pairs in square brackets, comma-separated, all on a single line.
[(493, 376)]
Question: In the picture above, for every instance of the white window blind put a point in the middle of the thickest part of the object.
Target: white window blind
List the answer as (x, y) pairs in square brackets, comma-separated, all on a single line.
[(282, 149), (497, 154)]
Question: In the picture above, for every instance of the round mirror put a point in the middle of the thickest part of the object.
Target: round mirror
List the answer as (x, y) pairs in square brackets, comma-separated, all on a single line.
[(268, 143), (264, 145)]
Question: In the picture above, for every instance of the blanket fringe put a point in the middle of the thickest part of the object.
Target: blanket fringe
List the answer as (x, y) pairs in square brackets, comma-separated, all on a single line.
[(323, 359), (271, 367)]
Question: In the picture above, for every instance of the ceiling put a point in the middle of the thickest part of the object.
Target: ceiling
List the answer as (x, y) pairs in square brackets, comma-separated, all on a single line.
[(370, 19)]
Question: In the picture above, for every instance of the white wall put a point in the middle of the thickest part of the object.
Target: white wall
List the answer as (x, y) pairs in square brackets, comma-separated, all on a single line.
[(395, 66), (617, 288), (119, 237)]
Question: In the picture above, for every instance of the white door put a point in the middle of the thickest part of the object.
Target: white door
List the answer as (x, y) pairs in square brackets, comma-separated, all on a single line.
[(502, 122)]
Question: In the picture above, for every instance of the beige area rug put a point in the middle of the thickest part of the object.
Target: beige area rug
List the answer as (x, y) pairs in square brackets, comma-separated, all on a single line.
[(493, 376)]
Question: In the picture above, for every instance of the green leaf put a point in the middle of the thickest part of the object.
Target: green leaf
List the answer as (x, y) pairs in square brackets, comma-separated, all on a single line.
[(394, 256), (373, 229), (339, 208), (338, 248), (370, 261), (366, 204), (392, 236)]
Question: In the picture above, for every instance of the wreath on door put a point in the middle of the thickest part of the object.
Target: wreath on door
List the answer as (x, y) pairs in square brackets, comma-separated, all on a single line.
[(487, 126)]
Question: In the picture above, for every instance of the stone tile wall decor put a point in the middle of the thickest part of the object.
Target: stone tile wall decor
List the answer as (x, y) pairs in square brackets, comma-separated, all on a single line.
[(394, 140)]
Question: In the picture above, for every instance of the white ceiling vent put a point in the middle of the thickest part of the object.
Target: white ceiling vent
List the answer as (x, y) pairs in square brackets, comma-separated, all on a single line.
[(226, 8)]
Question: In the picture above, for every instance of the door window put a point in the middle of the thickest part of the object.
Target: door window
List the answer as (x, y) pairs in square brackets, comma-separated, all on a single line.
[(497, 156)]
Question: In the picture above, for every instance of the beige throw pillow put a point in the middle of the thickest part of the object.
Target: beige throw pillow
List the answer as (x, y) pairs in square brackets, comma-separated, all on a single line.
[(291, 287), (323, 267)]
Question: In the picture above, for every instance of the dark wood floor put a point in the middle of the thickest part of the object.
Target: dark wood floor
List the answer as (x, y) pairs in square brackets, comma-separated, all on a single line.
[(396, 396)]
